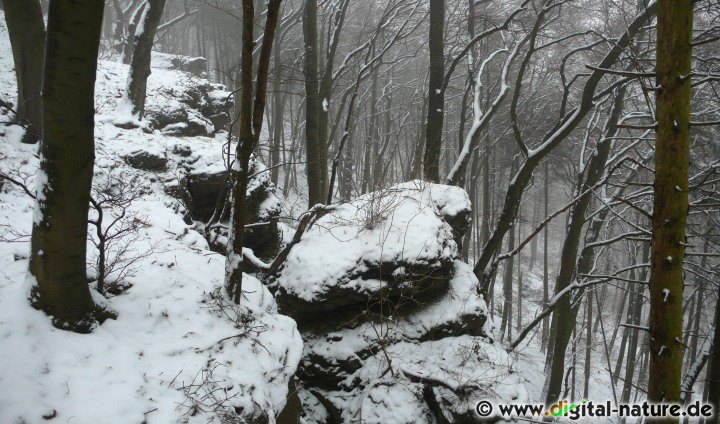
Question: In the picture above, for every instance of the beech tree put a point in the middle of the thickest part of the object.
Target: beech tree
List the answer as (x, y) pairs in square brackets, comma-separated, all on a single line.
[(142, 42), (26, 28), (670, 207), (67, 152), (436, 92)]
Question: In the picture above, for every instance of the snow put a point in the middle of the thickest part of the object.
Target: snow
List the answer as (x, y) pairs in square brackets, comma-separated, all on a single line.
[(178, 350), (464, 363), (399, 224)]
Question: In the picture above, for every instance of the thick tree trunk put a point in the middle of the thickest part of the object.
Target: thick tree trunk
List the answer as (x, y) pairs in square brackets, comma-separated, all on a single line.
[(67, 154), (670, 207), (26, 29), (139, 72), (312, 105), (436, 95)]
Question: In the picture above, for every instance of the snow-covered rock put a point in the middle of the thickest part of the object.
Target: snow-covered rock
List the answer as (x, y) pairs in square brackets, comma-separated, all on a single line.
[(397, 242)]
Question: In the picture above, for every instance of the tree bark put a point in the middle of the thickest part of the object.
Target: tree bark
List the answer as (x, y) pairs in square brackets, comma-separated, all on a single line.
[(67, 155), (670, 207), (26, 29), (312, 105), (436, 95), (140, 63)]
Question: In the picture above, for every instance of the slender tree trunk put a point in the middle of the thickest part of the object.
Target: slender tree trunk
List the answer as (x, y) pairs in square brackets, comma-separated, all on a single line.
[(636, 300), (436, 95), (588, 342), (26, 29), (670, 207), (67, 153), (565, 313), (251, 120), (713, 376), (140, 63), (278, 108), (546, 276), (127, 49), (420, 145)]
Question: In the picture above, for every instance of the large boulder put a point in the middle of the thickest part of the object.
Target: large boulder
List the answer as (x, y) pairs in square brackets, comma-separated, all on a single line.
[(332, 357), (441, 381), (395, 245)]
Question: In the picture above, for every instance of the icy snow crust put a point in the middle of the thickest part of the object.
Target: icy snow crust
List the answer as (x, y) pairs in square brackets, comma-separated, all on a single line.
[(173, 331), (403, 224)]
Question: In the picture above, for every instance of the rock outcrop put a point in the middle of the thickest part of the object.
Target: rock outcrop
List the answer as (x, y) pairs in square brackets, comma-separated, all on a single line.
[(394, 328)]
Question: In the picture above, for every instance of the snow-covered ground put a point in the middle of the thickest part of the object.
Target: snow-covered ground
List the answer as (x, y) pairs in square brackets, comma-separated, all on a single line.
[(177, 352)]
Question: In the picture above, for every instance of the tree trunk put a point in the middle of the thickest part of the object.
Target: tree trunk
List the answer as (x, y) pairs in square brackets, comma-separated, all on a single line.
[(67, 152), (26, 29), (546, 276), (140, 63), (436, 95), (564, 315), (588, 342), (636, 300), (713, 376), (278, 108), (251, 120), (670, 207), (312, 105)]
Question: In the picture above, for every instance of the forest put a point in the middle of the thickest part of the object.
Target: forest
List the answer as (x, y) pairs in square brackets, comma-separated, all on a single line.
[(341, 211)]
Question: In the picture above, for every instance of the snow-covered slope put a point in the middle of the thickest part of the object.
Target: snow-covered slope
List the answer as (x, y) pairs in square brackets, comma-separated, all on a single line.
[(177, 352)]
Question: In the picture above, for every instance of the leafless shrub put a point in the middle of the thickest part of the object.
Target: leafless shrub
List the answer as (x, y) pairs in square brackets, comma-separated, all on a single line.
[(117, 232)]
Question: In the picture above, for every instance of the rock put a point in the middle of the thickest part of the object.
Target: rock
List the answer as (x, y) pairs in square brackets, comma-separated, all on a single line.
[(182, 150), (441, 381), (392, 401), (198, 109), (202, 192), (147, 160), (395, 244), (332, 356), (195, 125), (192, 65)]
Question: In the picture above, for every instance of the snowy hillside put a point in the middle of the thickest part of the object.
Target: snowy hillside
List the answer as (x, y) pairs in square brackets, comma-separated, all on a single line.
[(177, 352)]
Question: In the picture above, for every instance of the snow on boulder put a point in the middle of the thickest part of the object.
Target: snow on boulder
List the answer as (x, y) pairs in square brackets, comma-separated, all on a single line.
[(398, 243), (330, 358), (150, 158), (439, 381)]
